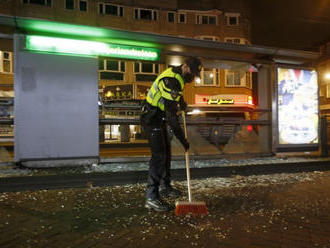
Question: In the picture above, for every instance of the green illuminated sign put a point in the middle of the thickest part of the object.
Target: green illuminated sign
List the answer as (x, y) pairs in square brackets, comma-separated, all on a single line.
[(89, 48)]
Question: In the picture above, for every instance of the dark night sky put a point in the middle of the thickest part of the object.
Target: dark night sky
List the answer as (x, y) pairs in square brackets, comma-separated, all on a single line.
[(295, 24)]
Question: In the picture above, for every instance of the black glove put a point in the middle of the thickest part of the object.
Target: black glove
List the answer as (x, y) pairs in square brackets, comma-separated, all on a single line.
[(186, 145)]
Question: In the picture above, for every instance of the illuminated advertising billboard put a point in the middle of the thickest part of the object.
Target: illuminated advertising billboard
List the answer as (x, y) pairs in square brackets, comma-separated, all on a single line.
[(298, 117)]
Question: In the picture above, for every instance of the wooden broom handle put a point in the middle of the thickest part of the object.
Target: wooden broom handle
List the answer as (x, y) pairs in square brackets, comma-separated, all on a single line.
[(187, 157)]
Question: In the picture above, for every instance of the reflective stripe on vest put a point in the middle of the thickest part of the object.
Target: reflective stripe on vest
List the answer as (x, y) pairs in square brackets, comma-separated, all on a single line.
[(159, 91)]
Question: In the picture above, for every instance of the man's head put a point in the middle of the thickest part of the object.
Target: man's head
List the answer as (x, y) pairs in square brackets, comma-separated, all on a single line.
[(191, 68)]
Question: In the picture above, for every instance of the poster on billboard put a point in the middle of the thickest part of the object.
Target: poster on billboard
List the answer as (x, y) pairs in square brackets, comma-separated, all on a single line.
[(298, 107)]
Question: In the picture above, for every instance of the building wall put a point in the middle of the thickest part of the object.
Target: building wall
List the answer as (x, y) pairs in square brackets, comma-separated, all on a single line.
[(220, 30), (57, 12)]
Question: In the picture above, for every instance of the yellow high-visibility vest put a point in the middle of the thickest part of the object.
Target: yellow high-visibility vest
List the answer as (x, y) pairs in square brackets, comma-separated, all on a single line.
[(158, 91)]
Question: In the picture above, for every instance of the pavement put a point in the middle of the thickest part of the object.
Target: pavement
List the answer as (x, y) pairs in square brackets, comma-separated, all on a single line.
[(253, 202), (284, 210)]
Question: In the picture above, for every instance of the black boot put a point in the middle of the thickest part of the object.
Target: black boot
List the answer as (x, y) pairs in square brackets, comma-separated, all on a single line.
[(157, 205), (169, 191)]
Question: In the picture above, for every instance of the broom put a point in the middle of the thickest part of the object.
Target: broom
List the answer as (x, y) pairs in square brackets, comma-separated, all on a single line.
[(189, 207)]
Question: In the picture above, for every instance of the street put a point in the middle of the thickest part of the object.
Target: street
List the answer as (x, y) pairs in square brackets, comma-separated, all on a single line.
[(279, 210)]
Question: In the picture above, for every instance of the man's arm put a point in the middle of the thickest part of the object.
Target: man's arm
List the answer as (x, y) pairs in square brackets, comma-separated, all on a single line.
[(171, 109)]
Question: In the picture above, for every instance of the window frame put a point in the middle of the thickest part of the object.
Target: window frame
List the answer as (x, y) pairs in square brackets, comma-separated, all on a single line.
[(208, 37), (232, 39), (154, 14), (86, 1), (65, 1), (216, 78), (242, 41), (247, 83), (153, 68), (140, 72), (174, 16), (120, 69), (199, 19), (45, 3), (2, 59), (185, 17), (119, 8), (230, 15)]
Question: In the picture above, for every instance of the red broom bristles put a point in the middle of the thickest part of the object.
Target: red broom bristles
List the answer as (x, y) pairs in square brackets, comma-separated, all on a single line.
[(194, 208)]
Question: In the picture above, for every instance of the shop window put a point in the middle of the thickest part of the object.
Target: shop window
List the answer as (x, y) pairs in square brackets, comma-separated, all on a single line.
[(232, 19), (111, 9), (206, 19), (83, 5), (47, 3), (111, 69), (209, 77), (146, 14), (238, 79), (6, 62), (145, 71), (142, 91), (171, 17), (69, 4), (182, 18)]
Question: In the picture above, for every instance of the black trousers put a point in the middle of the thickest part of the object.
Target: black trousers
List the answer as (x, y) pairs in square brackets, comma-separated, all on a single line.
[(160, 162)]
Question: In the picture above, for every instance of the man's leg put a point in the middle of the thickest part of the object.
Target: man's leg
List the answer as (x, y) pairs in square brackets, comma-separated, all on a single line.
[(166, 190), (156, 169), (166, 177)]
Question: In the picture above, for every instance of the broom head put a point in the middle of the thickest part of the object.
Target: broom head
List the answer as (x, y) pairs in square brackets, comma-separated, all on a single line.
[(194, 208)]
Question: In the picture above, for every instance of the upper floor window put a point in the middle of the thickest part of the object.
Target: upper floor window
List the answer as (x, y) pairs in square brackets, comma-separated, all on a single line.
[(110, 69), (39, 2), (83, 5), (69, 4), (145, 71), (233, 40), (232, 19), (237, 40), (146, 14), (182, 18), (209, 77), (6, 62), (206, 37), (171, 17), (206, 19), (238, 79), (111, 9)]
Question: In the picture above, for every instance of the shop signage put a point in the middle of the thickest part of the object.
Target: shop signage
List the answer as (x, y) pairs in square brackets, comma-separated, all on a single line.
[(220, 101), (119, 92), (297, 106), (223, 99), (89, 48)]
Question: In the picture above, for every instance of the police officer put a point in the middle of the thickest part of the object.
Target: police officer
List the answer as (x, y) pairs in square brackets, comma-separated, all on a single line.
[(161, 107)]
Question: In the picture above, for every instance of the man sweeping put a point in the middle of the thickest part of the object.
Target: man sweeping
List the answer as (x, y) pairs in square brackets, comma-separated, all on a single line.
[(160, 110)]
